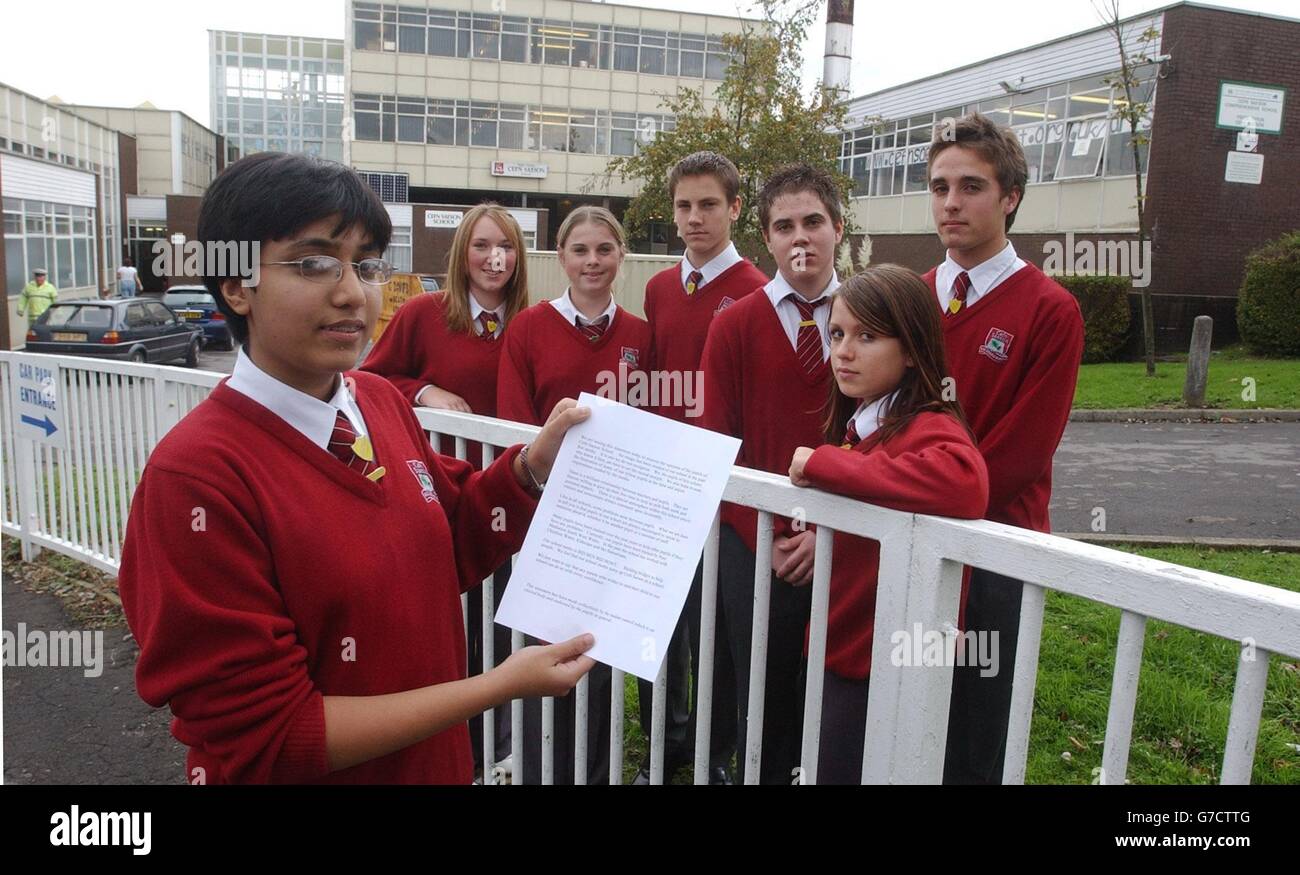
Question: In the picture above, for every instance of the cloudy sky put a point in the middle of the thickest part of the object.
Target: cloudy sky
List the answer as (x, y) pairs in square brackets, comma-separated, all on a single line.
[(123, 52)]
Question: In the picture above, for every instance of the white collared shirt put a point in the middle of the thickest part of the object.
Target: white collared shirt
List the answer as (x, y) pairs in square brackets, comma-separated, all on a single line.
[(984, 277), (476, 308), (868, 416), (778, 289), (311, 417), (720, 262), (564, 304)]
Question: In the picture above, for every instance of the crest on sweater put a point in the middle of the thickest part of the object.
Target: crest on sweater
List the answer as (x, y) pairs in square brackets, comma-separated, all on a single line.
[(422, 477), (726, 302), (630, 355), (997, 345)]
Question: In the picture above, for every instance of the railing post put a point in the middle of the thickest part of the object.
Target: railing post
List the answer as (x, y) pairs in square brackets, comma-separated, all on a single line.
[(25, 471), (907, 705), (165, 404)]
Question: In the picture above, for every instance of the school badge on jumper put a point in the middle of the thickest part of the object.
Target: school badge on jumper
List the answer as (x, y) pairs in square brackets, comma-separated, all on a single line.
[(726, 302), (630, 355), (422, 477), (997, 344)]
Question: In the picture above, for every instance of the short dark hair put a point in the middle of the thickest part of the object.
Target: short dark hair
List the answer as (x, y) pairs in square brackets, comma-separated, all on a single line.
[(794, 178), (270, 195), (706, 163), (995, 144)]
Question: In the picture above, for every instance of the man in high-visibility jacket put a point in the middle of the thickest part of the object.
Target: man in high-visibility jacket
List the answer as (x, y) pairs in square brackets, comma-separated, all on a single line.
[(37, 296)]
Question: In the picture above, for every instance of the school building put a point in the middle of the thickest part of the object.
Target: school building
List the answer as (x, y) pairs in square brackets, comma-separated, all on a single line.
[(1214, 190), (84, 185), (458, 101)]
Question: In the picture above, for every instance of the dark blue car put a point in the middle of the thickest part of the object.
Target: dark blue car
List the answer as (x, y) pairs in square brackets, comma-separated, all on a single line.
[(197, 307), (132, 329)]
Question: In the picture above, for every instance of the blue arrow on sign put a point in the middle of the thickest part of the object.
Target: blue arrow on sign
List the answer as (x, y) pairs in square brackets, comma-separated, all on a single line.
[(49, 427)]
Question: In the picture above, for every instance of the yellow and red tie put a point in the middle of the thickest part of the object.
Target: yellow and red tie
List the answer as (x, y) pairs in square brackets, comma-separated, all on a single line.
[(488, 322), (851, 435), (694, 281), (353, 450), (960, 286), (592, 330), (808, 342)]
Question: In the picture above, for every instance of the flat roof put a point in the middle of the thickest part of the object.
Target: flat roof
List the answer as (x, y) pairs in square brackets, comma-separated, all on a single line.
[(140, 109), (1069, 36)]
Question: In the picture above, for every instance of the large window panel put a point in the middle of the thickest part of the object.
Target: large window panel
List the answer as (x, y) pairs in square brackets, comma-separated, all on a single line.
[(442, 35), (486, 42), (411, 32), (514, 39), (483, 125), (582, 133), (1084, 143), (652, 52), (511, 134), (625, 49)]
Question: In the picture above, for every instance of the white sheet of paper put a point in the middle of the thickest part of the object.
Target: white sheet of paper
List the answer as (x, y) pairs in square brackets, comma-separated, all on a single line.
[(621, 525)]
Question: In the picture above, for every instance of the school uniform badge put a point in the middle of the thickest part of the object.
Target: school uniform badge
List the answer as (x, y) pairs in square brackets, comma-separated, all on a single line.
[(726, 302), (630, 355), (997, 345), (422, 477)]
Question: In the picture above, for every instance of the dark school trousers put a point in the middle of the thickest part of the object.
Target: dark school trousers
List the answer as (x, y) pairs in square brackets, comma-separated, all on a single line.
[(844, 728), (788, 620), (684, 680), (981, 706)]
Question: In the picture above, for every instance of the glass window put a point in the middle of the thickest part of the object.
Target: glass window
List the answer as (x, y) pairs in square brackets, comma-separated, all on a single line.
[(1084, 144), (717, 61), (442, 35), (1119, 149), (916, 178), (514, 39), (15, 266), (63, 260), (625, 49), (511, 134), (1090, 103), (84, 270), (410, 33), (410, 129), (652, 52), (582, 133), (692, 58), (483, 125), (486, 37), (585, 52), (252, 45)]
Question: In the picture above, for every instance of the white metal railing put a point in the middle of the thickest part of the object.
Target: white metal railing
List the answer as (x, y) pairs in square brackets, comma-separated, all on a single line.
[(75, 501)]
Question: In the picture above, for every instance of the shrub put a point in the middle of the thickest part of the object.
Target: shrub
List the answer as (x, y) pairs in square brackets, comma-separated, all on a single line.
[(1266, 306), (1104, 302)]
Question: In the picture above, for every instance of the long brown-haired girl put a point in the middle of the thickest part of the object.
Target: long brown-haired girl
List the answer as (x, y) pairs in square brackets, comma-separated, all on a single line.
[(896, 438)]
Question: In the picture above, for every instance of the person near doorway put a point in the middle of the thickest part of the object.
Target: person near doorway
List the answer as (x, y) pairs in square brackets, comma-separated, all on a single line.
[(37, 296), (128, 279)]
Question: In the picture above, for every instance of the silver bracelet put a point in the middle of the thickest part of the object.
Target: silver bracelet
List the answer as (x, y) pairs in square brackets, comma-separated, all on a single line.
[(528, 469)]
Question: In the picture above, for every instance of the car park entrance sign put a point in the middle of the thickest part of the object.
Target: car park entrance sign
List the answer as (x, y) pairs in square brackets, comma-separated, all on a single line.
[(37, 409)]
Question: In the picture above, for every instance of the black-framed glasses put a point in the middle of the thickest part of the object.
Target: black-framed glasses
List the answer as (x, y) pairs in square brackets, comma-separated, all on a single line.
[(328, 269)]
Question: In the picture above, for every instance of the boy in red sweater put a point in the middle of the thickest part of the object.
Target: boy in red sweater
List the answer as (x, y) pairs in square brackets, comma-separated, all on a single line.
[(680, 303), (296, 550), (765, 382), (1014, 341)]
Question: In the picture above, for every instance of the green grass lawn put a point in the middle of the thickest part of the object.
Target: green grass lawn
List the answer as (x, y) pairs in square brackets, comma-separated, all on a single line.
[(1125, 384)]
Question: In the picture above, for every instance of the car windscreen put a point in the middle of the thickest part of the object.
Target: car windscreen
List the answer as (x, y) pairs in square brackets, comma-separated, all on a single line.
[(77, 316)]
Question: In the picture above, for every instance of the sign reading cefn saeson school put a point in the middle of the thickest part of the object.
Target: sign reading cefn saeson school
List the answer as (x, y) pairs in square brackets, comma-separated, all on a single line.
[(442, 218), (38, 413), (1244, 105), (515, 168)]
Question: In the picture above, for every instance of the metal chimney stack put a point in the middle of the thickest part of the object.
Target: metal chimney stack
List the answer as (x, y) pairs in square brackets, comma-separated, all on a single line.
[(839, 46)]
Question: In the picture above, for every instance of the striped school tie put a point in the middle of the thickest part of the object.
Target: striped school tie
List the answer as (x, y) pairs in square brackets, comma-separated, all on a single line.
[(960, 286), (488, 321), (808, 342), (353, 451), (592, 330), (851, 435), (694, 281)]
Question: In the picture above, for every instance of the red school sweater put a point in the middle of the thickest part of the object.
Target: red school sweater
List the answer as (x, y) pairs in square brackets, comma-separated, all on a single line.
[(547, 359), (679, 323), (418, 348), (1015, 355), (756, 390), (931, 466), (260, 574)]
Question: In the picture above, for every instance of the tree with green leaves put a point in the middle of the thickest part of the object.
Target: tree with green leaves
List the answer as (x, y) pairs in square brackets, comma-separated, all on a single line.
[(1135, 110), (761, 120)]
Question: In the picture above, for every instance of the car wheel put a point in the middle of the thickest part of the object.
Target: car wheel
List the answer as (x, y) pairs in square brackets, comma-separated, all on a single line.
[(139, 356), (192, 354), (229, 343)]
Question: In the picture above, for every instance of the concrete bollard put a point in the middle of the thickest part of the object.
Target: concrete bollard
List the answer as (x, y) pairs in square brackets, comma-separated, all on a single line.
[(1198, 362)]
